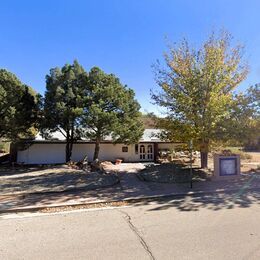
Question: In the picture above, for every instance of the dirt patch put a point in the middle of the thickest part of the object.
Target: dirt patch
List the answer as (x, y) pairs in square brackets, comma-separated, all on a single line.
[(247, 165), (54, 179), (122, 167)]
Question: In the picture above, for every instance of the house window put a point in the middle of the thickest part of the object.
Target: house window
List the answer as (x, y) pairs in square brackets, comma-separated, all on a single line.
[(124, 149), (150, 152), (136, 149)]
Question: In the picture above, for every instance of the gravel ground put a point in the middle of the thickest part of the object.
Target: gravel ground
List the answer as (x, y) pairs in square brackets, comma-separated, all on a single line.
[(123, 167), (246, 164), (170, 173), (61, 178), (54, 179)]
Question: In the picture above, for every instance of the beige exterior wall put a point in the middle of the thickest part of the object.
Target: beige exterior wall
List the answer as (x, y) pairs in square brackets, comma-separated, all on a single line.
[(46, 153), (51, 153), (166, 146), (109, 152), (42, 154)]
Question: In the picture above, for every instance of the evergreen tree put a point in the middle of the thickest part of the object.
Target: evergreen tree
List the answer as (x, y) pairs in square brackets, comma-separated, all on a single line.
[(18, 108), (110, 110), (63, 103)]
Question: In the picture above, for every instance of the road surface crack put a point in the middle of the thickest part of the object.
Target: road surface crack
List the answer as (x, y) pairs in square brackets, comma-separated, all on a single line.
[(128, 219)]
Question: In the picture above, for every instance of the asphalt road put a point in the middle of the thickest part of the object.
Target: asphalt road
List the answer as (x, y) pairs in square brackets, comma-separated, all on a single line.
[(192, 228)]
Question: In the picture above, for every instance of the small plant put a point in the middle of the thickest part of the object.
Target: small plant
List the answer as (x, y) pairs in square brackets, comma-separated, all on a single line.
[(246, 156)]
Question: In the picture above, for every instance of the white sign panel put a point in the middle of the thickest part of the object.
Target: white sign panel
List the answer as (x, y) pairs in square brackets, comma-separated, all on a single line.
[(228, 166)]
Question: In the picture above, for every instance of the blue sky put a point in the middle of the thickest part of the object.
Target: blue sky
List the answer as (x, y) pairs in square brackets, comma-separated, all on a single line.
[(119, 36)]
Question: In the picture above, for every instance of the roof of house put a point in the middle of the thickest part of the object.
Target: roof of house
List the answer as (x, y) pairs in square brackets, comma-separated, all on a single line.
[(149, 135)]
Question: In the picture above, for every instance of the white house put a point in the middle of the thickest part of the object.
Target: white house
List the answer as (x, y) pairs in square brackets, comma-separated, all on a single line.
[(42, 151)]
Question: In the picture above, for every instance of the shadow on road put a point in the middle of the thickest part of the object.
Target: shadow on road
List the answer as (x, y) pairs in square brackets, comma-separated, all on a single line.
[(211, 201)]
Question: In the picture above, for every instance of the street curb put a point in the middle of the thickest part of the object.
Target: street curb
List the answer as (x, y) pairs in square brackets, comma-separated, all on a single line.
[(130, 200)]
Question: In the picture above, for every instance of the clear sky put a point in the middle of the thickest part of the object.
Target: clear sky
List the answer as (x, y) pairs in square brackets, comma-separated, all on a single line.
[(123, 37)]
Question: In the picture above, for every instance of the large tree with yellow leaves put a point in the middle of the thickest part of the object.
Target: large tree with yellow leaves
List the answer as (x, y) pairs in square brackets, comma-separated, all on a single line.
[(197, 90)]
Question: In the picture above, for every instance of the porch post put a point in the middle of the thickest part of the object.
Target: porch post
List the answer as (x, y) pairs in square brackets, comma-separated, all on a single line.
[(155, 151)]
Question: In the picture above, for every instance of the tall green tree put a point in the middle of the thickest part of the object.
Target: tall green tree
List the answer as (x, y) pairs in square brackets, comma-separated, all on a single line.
[(197, 89), (110, 110), (18, 108), (242, 124), (63, 103)]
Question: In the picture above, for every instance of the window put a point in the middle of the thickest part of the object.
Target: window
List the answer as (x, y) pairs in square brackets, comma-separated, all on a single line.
[(150, 152), (136, 149), (124, 149)]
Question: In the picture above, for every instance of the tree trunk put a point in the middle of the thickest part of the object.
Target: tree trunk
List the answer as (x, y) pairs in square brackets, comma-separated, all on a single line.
[(97, 148), (204, 150), (68, 150), (204, 159), (69, 144)]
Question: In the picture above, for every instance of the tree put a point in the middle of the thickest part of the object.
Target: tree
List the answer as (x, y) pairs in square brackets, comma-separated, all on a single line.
[(243, 121), (197, 89), (63, 103), (110, 109), (18, 108)]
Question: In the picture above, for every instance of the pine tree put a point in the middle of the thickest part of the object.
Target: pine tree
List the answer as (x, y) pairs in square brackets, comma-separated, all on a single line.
[(110, 110), (63, 103), (18, 108)]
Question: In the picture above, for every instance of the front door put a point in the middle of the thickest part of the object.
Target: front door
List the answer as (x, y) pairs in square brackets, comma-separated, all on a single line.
[(150, 152), (142, 152), (146, 152)]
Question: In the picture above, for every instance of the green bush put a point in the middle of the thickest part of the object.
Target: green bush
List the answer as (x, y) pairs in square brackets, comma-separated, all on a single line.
[(245, 156), (238, 150), (4, 147)]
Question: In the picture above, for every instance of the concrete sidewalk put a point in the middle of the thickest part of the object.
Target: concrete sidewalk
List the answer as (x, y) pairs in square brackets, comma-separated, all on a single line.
[(130, 188)]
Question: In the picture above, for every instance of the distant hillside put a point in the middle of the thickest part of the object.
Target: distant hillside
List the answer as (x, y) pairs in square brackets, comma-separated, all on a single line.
[(148, 121)]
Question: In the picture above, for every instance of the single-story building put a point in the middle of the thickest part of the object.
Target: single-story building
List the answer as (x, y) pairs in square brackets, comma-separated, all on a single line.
[(52, 151)]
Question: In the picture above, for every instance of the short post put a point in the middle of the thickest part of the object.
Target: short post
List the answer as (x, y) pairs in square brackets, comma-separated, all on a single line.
[(190, 147)]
